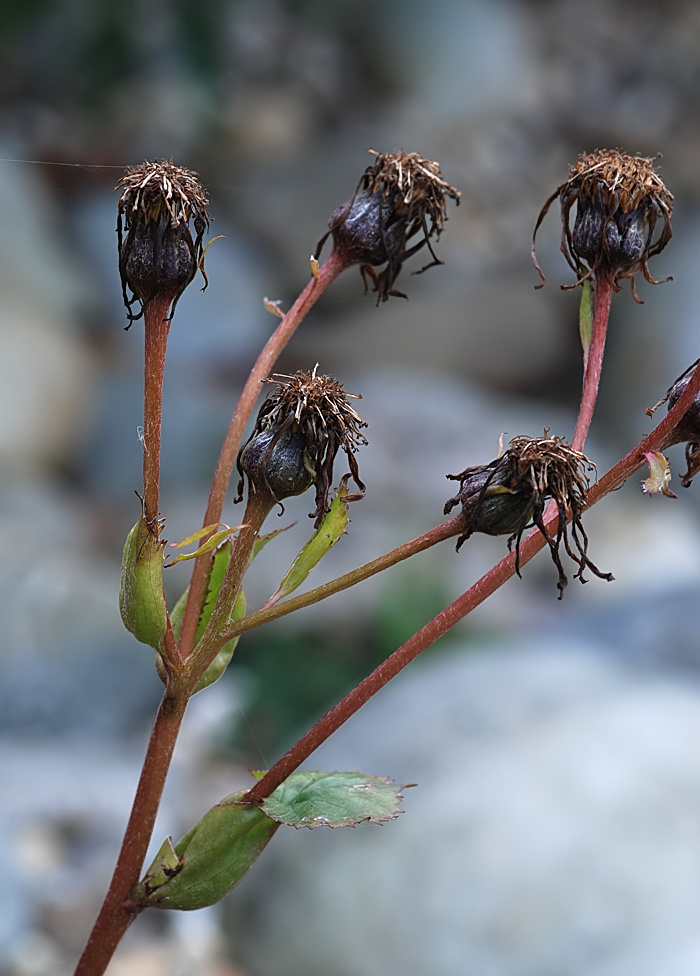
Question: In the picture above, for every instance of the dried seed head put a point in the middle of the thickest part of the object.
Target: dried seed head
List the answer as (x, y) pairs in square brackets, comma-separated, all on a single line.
[(399, 196), (619, 200), (298, 432), (509, 495), (158, 256)]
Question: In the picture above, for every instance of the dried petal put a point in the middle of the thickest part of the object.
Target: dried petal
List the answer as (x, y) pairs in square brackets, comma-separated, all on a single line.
[(619, 200), (398, 197), (157, 255), (298, 432), (510, 494)]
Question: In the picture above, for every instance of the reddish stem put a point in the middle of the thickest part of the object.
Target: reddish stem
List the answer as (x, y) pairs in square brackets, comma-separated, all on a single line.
[(446, 530), (327, 273), (156, 328), (463, 605), (115, 917), (593, 360)]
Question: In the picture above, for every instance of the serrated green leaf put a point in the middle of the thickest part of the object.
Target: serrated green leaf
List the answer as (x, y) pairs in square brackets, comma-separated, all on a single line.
[(212, 857), (321, 542), (314, 799)]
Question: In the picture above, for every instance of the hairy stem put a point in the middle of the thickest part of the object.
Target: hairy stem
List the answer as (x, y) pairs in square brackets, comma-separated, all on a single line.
[(463, 605), (593, 360), (327, 273)]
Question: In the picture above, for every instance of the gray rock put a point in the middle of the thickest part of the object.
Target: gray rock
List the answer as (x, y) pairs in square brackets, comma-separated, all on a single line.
[(554, 830)]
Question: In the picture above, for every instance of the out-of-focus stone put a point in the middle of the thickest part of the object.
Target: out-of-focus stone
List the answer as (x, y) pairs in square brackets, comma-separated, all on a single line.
[(554, 829)]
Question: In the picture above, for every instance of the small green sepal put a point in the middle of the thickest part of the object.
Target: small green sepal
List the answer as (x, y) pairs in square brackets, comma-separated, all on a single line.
[(212, 857), (314, 799), (141, 599)]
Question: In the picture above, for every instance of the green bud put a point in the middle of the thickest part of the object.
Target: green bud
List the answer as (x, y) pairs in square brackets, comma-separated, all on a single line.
[(141, 599), (212, 857)]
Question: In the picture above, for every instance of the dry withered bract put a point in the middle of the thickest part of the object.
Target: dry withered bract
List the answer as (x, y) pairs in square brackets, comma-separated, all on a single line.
[(401, 195), (619, 200), (158, 257), (298, 432), (510, 494)]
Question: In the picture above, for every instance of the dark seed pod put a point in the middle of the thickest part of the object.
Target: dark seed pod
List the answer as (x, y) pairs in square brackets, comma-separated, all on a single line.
[(619, 201), (280, 461), (688, 427), (298, 432), (510, 494), (400, 196), (158, 257)]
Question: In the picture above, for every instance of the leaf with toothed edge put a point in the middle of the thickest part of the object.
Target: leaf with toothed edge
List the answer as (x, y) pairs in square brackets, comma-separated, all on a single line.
[(317, 799)]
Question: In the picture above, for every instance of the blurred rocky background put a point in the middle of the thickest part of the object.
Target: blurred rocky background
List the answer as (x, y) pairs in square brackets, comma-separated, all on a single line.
[(556, 824)]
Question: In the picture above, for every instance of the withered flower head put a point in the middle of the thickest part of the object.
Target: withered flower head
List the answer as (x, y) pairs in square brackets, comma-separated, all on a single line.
[(509, 495), (399, 196), (619, 200), (688, 427), (158, 256), (298, 432)]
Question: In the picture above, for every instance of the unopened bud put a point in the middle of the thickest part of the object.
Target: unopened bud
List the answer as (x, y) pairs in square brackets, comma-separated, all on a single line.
[(141, 599), (209, 860)]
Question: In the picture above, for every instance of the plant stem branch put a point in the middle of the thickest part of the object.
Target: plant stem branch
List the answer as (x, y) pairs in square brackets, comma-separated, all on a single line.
[(593, 360), (327, 273), (463, 605), (445, 530), (257, 509), (156, 328), (115, 917)]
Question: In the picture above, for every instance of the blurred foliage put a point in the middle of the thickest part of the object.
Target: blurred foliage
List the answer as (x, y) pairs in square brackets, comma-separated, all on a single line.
[(298, 673), (80, 75)]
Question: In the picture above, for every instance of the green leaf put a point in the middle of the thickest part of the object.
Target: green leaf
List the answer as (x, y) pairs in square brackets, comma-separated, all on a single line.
[(263, 540), (220, 561), (312, 799), (165, 865), (585, 319), (321, 542), (141, 599), (212, 542), (212, 857)]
